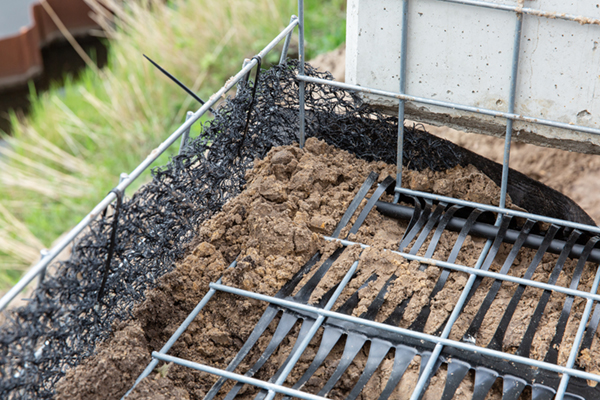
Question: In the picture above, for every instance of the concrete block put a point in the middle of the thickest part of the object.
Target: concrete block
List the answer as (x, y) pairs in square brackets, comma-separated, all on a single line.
[(463, 54)]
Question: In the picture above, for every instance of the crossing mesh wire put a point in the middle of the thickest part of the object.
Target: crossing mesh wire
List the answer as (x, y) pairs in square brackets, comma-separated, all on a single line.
[(385, 342), (63, 322), (403, 346)]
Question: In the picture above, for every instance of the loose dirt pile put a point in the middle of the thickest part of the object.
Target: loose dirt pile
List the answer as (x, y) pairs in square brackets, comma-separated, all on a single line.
[(574, 174), (292, 198)]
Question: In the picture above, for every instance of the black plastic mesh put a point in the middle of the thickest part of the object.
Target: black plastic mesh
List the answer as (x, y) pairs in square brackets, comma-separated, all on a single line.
[(63, 322)]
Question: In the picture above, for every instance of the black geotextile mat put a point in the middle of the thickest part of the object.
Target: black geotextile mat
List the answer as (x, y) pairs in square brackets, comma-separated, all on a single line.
[(63, 322)]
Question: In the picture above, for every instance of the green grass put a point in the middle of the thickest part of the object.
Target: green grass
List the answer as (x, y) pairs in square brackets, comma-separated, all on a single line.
[(69, 151)]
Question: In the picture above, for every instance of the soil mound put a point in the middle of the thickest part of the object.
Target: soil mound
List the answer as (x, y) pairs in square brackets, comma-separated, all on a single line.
[(273, 227)]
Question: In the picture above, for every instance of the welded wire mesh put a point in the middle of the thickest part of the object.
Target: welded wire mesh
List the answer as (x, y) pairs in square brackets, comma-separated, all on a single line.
[(63, 323), (386, 340)]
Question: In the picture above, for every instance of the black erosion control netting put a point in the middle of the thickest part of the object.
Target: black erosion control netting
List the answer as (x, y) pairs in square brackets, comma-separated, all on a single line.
[(63, 322)]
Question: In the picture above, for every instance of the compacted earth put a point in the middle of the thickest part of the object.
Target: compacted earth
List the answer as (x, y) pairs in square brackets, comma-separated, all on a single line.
[(294, 197)]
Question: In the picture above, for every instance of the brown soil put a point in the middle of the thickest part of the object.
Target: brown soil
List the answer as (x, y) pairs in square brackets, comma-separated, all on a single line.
[(573, 174), (294, 196)]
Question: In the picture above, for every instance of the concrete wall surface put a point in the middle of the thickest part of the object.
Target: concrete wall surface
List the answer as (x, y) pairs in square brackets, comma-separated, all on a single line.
[(463, 54)]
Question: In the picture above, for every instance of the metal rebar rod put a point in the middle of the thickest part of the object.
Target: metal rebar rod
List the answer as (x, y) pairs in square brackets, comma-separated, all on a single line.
[(425, 377), (245, 80), (511, 108), (533, 241), (447, 104), (286, 43), (237, 377), (186, 134), (482, 273), (123, 176), (43, 253), (408, 332), (177, 334), (562, 387), (402, 86), (530, 11), (301, 110), (428, 370), (313, 330), (62, 244)]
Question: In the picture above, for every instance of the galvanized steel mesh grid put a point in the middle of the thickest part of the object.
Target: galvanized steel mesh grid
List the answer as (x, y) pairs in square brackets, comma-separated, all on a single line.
[(519, 10), (441, 341), (315, 317)]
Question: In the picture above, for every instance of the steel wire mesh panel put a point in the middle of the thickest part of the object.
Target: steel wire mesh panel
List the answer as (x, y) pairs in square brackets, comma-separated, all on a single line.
[(62, 324), (345, 339)]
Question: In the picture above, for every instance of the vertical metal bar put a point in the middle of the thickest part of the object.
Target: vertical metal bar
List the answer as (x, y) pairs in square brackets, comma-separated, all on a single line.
[(311, 333), (425, 376), (286, 44), (562, 387), (301, 72), (177, 334), (245, 79), (402, 83), (511, 108), (122, 177), (186, 133), (43, 253)]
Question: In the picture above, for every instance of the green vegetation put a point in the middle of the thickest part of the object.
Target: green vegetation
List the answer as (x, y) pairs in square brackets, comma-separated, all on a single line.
[(68, 153)]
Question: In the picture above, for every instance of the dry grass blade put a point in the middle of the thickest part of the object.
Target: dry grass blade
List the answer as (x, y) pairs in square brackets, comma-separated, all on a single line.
[(200, 79), (18, 250), (41, 169), (103, 109), (67, 35), (14, 178), (48, 151), (18, 241), (85, 130)]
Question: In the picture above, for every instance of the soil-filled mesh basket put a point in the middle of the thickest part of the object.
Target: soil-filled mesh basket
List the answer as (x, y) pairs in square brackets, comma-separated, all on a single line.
[(64, 321)]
